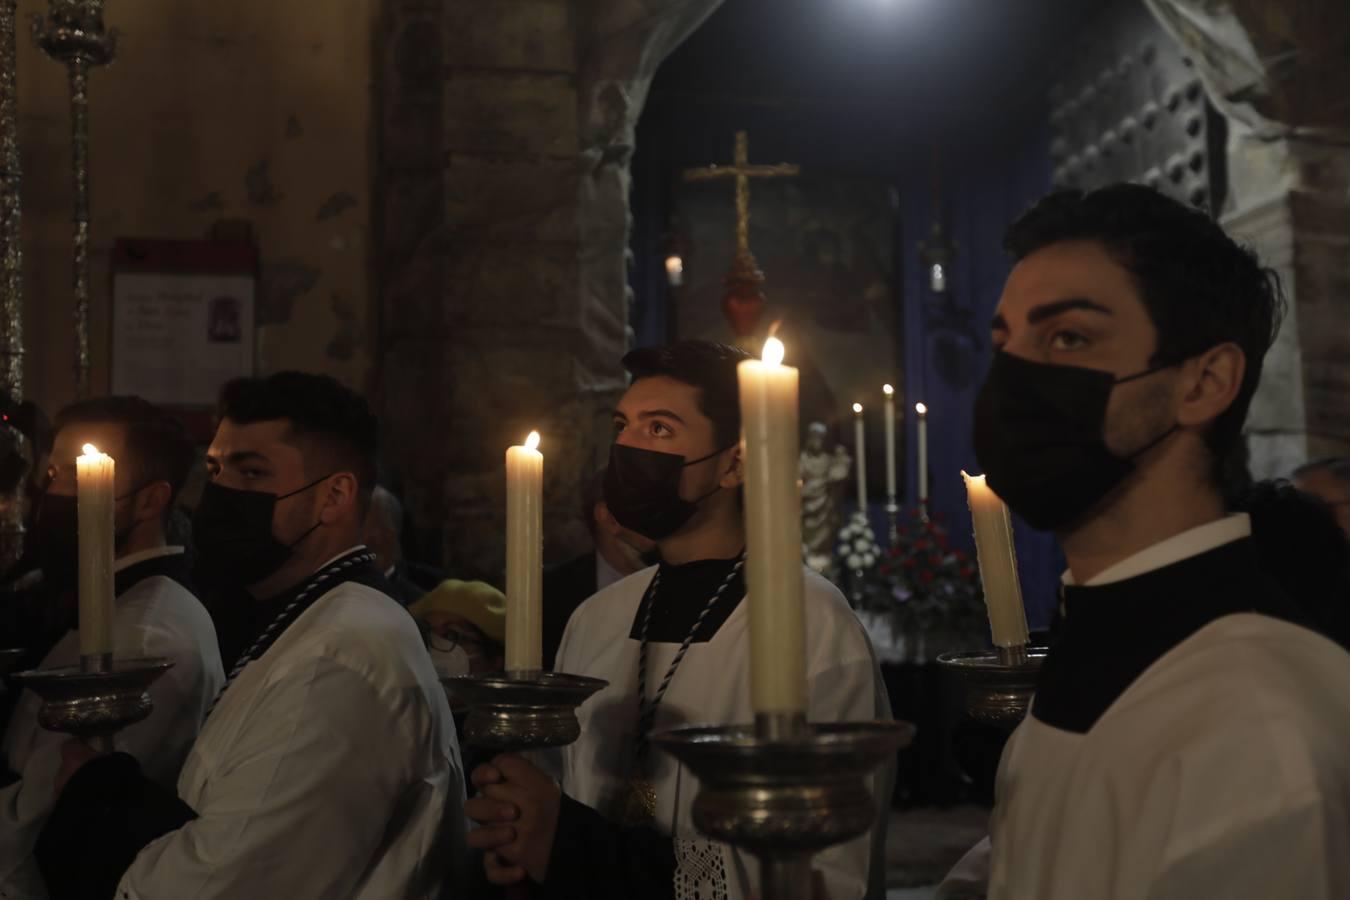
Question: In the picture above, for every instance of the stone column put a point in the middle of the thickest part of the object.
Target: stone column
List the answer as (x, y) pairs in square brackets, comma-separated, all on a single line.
[(1279, 70), (506, 133)]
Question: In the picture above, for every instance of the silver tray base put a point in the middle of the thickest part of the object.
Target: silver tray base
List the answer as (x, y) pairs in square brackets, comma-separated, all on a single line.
[(94, 705), (513, 711), (997, 693), (788, 797)]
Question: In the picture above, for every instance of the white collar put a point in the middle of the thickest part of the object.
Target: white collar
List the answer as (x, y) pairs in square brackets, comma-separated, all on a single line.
[(1192, 542), (605, 574), (352, 549), (141, 556)]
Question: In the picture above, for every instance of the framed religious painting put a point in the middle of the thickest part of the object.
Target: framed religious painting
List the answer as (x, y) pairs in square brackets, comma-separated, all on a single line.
[(182, 322)]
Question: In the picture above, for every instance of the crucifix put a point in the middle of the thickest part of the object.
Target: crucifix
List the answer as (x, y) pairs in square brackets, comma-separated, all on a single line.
[(743, 300)]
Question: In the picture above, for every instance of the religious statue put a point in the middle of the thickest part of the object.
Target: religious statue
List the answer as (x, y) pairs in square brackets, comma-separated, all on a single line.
[(822, 475)]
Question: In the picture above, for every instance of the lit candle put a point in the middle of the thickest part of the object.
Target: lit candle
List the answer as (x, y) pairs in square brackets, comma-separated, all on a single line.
[(860, 449), (998, 563), (95, 497), (922, 410), (890, 441), (773, 537), (524, 555)]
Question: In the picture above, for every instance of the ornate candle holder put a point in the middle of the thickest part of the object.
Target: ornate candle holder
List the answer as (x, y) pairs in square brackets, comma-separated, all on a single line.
[(514, 711), (785, 790), (998, 683), (95, 705), (73, 33)]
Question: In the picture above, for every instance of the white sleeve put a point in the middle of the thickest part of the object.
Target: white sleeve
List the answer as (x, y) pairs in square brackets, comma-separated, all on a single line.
[(969, 878), (850, 693), (181, 697), (305, 801)]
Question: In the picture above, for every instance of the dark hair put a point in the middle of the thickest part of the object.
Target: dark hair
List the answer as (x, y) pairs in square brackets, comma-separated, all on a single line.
[(1199, 286), (1299, 544), (1336, 466), (334, 419), (157, 443), (706, 365)]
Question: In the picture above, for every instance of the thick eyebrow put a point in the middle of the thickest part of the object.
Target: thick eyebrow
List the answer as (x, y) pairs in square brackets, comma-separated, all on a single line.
[(1038, 314), (661, 413), (239, 457)]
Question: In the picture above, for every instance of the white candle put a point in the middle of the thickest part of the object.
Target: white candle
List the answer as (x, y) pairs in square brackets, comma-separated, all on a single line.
[(524, 555), (998, 563), (95, 497), (890, 441), (922, 411), (860, 449), (773, 538)]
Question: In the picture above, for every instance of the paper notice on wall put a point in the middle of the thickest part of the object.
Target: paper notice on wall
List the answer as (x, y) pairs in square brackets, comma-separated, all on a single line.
[(177, 337)]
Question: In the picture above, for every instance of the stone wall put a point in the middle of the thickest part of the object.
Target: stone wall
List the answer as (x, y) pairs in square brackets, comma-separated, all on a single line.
[(1280, 71), (248, 110), (505, 136)]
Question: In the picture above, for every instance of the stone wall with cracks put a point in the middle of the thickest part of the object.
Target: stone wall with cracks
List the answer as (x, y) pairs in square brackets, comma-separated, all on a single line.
[(252, 111)]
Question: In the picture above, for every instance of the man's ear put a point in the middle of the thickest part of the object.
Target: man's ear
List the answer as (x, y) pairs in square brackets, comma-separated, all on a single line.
[(152, 501), (734, 475), (1212, 382), (339, 496)]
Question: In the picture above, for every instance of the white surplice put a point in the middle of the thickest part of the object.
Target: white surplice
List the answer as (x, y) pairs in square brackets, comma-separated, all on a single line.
[(1223, 770), (156, 616), (712, 686), (329, 769)]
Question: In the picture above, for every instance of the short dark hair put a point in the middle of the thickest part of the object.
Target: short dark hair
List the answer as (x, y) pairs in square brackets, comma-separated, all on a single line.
[(157, 443), (1200, 287), (706, 365), (321, 411), (1336, 466)]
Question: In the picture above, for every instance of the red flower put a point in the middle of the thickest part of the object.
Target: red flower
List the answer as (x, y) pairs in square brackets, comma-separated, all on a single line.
[(960, 556), (942, 541), (967, 571), (925, 576), (921, 545), (909, 562), (884, 568), (935, 561)]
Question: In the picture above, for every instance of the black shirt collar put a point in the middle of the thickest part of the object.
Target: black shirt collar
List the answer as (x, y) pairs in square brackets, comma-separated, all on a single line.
[(1111, 633), (683, 593), (170, 565)]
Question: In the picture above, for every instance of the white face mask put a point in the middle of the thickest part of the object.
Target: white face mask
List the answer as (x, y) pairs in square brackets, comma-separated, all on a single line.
[(449, 659)]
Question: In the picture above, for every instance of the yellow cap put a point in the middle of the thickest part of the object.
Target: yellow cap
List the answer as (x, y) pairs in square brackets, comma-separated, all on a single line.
[(476, 601)]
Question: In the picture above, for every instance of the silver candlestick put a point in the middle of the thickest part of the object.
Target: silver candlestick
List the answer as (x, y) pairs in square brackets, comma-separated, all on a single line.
[(94, 703), (73, 33), (893, 521), (513, 711), (998, 683), (785, 790)]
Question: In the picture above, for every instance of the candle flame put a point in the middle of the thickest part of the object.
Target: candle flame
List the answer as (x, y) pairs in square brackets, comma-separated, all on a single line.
[(921, 409), (91, 450), (857, 408), (976, 479), (887, 389), (774, 351), (532, 442)]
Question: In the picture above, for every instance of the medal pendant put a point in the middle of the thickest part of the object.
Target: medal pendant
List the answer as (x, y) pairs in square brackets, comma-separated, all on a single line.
[(637, 805)]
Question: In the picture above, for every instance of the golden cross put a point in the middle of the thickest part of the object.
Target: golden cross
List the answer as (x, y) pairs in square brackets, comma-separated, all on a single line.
[(742, 171)]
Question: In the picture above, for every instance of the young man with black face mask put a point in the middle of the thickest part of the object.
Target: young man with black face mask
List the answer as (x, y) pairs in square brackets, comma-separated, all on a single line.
[(328, 765), (672, 641), (156, 613), (1189, 730)]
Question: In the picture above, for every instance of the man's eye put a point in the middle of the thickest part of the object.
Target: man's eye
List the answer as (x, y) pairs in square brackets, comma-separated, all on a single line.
[(660, 428), (1067, 340), (618, 428), (253, 473)]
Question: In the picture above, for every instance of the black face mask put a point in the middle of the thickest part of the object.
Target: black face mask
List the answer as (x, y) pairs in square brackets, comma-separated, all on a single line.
[(642, 490), (1039, 438), (233, 532), (54, 540)]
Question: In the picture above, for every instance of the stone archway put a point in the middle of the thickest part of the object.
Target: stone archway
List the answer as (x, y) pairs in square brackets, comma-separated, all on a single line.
[(506, 130)]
